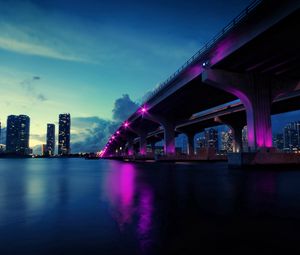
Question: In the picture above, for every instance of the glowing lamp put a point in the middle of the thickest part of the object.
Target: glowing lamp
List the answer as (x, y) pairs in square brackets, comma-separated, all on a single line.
[(205, 64)]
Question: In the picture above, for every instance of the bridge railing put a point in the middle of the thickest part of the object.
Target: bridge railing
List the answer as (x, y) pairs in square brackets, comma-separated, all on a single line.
[(205, 48)]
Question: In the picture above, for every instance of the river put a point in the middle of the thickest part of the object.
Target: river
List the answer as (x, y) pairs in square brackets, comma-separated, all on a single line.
[(76, 206)]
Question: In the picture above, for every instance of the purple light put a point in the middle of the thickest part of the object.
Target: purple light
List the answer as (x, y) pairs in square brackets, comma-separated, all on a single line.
[(143, 110), (113, 137), (126, 124), (118, 132)]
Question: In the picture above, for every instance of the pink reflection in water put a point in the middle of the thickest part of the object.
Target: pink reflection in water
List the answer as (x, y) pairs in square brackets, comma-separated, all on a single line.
[(120, 189), (129, 201)]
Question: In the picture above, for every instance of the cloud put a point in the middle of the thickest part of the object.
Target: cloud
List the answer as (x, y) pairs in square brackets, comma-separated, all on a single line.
[(123, 108), (29, 48), (29, 86), (90, 134), (40, 138), (41, 97), (28, 29)]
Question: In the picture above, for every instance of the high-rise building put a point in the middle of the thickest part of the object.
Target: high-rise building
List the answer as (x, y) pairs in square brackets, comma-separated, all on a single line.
[(24, 124), (201, 143), (245, 138), (12, 133), (291, 136), (64, 134), (278, 141), (44, 150), (50, 144), (211, 138), (17, 134), (227, 141)]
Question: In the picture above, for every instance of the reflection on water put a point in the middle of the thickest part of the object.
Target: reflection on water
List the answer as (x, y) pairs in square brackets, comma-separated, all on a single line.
[(145, 211), (120, 189), (129, 201), (75, 206)]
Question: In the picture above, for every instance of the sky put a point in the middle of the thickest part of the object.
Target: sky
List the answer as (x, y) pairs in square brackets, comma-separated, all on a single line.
[(81, 57)]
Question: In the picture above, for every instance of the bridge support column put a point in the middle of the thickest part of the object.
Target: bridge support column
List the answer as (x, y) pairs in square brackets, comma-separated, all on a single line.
[(169, 138), (143, 143), (130, 147), (257, 93), (153, 147), (190, 143)]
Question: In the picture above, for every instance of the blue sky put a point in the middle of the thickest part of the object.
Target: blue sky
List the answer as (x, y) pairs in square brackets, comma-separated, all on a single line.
[(80, 56)]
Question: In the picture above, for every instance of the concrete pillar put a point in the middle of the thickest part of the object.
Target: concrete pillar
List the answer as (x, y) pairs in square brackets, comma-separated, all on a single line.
[(153, 147), (143, 143), (169, 138), (130, 147), (190, 143), (257, 93)]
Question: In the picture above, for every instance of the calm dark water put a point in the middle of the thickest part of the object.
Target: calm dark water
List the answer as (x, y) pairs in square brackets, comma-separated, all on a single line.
[(76, 206)]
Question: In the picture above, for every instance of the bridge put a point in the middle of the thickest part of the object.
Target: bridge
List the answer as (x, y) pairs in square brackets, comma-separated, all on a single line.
[(254, 59)]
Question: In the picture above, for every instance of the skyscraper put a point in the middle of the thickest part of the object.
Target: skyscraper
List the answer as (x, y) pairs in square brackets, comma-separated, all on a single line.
[(12, 133), (64, 134), (291, 136), (23, 141), (17, 134), (245, 138), (227, 141), (211, 138), (50, 144), (278, 141)]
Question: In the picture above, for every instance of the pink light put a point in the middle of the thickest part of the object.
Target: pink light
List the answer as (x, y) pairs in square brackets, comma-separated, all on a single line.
[(143, 110), (118, 132), (126, 124), (113, 137)]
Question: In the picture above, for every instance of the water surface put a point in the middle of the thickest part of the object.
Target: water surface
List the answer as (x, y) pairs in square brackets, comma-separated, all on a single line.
[(77, 206)]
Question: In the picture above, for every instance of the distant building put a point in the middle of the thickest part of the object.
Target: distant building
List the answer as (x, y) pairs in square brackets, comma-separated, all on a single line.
[(17, 134), (64, 134), (2, 148), (211, 138), (44, 150), (245, 138), (227, 141), (278, 141), (291, 136), (50, 143)]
